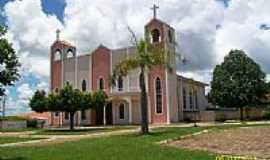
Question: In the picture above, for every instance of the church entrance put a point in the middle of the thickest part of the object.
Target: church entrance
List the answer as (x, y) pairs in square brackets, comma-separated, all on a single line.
[(109, 114), (100, 115)]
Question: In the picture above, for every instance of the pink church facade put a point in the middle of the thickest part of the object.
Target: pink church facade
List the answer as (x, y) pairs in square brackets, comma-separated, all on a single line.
[(170, 96)]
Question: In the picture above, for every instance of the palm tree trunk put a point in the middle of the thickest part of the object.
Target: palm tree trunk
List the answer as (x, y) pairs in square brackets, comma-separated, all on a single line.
[(71, 123), (144, 108)]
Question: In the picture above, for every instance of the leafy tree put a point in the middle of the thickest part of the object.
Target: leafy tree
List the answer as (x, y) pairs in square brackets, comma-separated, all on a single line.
[(39, 101), (144, 60), (67, 100), (100, 99), (9, 63), (237, 82)]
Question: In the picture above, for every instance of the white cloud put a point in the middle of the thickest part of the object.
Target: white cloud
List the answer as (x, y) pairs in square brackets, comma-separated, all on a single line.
[(31, 32), (24, 92), (43, 86), (102, 21), (241, 29)]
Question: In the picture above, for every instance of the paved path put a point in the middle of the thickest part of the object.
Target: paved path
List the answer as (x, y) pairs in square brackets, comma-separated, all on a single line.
[(45, 139)]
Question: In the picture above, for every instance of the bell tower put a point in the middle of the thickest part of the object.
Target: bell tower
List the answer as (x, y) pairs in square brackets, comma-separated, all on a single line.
[(61, 53), (162, 82)]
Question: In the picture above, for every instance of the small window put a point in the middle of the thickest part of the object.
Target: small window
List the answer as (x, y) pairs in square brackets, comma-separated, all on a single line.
[(66, 115), (158, 96), (120, 83), (70, 54), (155, 36), (190, 100), (122, 111), (83, 115), (84, 85), (56, 114), (57, 55), (56, 90), (67, 83), (101, 84), (184, 98)]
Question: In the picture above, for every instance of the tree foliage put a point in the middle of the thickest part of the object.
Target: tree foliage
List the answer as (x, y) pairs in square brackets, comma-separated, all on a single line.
[(67, 100), (9, 63), (237, 82)]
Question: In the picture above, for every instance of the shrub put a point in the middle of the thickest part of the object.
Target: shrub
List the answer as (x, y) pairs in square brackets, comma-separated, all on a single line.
[(267, 113), (32, 123)]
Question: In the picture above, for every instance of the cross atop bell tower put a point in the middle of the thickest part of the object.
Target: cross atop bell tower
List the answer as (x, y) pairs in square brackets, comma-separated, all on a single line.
[(58, 34), (154, 8)]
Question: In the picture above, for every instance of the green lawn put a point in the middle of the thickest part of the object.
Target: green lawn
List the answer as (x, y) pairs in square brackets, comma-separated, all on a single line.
[(4, 140), (128, 147), (19, 129)]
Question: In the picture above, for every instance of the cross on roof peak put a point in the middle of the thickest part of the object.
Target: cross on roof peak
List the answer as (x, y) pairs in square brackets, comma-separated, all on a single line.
[(58, 34), (154, 8)]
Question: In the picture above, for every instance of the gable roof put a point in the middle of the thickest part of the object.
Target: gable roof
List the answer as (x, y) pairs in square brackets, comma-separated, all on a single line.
[(191, 80)]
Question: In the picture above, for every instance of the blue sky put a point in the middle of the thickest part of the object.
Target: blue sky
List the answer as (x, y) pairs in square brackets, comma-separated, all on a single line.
[(206, 31)]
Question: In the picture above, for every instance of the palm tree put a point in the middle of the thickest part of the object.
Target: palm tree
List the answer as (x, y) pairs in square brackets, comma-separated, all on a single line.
[(145, 60)]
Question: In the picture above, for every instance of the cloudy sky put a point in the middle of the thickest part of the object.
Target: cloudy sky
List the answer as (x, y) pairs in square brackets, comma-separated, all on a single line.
[(206, 31)]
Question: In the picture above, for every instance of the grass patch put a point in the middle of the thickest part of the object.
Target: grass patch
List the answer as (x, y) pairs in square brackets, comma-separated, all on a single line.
[(125, 147), (19, 130), (4, 140)]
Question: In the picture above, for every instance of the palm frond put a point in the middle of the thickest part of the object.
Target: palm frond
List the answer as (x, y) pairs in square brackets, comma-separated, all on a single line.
[(181, 58), (122, 68)]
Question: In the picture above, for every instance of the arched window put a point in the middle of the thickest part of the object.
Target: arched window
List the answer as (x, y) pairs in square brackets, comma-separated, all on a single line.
[(196, 100), (170, 35), (84, 85), (57, 55), (184, 98), (121, 111), (56, 90), (67, 83), (70, 53), (190, 100), (158, 96), (155, 36), (101, 83), (120, 83)]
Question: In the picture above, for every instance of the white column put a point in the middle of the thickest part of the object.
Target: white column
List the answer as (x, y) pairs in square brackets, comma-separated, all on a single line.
[(79, 117), (104, 115), (130, 111)]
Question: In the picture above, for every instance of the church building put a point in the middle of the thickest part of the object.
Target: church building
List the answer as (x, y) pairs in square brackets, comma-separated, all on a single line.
[(171, 97)]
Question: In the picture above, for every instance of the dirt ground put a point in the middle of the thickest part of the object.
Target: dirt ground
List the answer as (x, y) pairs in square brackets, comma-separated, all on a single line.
[(253, 141)]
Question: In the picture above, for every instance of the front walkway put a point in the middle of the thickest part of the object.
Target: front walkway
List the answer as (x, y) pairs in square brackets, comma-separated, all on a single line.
[(45, 139)]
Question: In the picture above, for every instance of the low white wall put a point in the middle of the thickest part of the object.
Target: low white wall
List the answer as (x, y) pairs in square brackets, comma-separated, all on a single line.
[(12, 124)]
